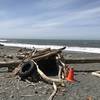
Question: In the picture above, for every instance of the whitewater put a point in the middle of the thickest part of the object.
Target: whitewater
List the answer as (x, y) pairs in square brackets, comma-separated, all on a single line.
[(68, 48)]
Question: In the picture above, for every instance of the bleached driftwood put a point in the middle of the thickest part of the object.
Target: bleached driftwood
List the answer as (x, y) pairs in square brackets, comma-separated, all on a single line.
[(9, 64), (36, 54), (46, 78), (96, 73), (42, 54), (54, 92)]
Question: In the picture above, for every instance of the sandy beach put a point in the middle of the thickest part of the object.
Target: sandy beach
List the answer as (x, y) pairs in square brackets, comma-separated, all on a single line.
[(86, 87)]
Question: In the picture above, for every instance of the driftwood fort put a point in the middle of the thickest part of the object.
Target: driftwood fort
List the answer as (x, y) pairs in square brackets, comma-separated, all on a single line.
[(39, 65)]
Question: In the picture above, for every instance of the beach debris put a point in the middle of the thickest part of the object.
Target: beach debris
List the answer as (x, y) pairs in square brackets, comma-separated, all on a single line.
[(38, 65), (11, 64), (54, 92), (70, 76), (96, 73)]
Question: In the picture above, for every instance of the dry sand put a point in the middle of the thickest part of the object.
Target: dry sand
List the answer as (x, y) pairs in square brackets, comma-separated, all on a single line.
[(86, 86)]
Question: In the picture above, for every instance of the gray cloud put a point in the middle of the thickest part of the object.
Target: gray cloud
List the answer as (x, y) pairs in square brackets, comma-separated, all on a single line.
[(52, 19)]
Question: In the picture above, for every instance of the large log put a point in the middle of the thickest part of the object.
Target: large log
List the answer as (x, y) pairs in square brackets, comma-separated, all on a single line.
[(68, 61), (13, 64), (44, 50), (46, 78), (52, 53), (43, 53), (47, 53), (54, 92), (37, 56), (82, 60), (20, 57), (9, 64), (38, 53)]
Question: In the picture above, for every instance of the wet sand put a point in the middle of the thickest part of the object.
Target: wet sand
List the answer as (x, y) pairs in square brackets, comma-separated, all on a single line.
[(86, 86)]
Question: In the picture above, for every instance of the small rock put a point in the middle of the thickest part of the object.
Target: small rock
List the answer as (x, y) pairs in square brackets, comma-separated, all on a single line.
[(12, 96), (10, 56), (4, 60), (44, 92), (36, 92)]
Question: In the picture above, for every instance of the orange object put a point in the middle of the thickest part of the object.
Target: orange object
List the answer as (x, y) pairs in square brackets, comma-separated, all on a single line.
[(89, 98), (70, 76)]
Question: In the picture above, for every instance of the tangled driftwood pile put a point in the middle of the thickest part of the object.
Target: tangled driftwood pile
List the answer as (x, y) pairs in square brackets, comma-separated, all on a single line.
[(36, 65)]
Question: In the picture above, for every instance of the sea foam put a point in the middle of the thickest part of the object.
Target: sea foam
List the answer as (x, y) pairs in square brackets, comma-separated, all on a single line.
[(3, 40), (77, 49)]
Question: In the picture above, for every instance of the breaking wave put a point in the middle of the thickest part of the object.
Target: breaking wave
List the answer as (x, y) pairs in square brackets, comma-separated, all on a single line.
[(3, 40), (68, 48)]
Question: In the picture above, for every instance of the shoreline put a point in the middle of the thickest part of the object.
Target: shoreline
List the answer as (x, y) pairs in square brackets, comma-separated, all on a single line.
[(93, 50), (86, 85)]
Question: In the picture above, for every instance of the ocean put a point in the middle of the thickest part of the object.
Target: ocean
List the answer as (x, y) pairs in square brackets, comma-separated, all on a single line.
[(89, 46)]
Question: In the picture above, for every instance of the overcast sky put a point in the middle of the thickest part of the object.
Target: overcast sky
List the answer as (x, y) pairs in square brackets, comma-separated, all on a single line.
[(50, 19)]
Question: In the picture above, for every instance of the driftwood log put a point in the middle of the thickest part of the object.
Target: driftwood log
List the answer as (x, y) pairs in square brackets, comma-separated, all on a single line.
[(54, 92), (42, 54), (48, 79), (67, 61), (96, 73), (36, 56), (82, 60), (10, 63)]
